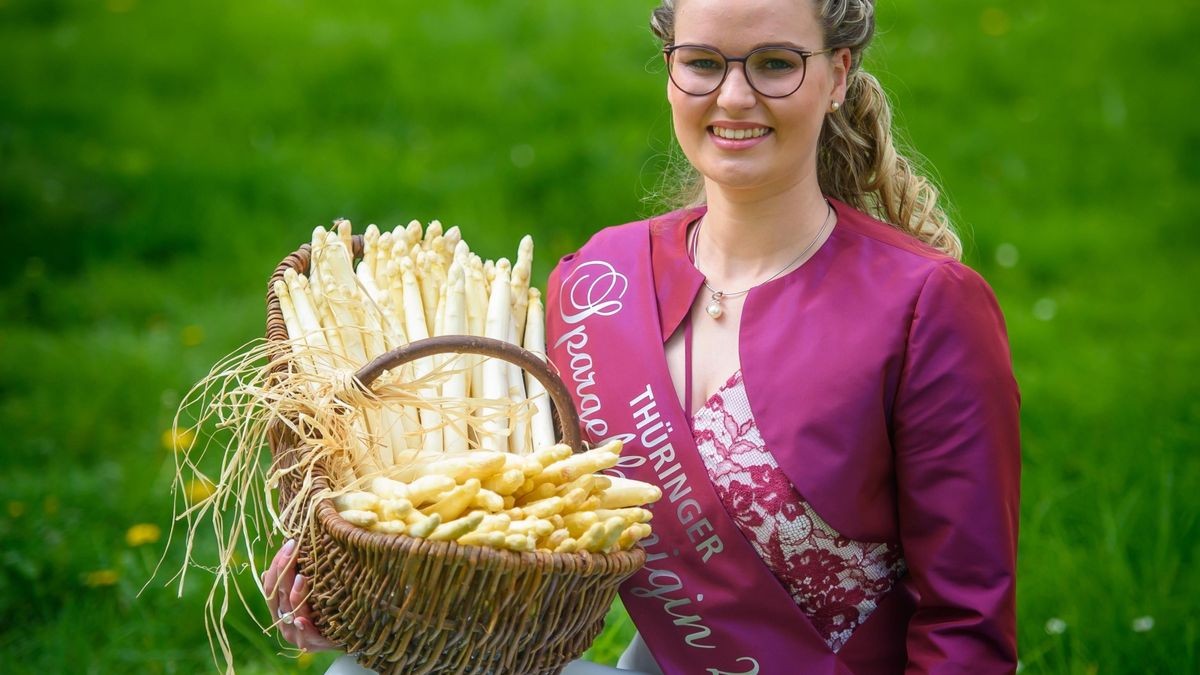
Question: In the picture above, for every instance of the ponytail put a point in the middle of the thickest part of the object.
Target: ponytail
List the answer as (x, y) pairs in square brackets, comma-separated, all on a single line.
[(857, 163)]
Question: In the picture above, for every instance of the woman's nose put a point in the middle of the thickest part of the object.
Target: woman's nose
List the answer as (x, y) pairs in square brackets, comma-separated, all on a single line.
[(735, 91)]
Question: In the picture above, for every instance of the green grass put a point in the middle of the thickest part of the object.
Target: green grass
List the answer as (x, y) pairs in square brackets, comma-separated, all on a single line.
[(157, 160)]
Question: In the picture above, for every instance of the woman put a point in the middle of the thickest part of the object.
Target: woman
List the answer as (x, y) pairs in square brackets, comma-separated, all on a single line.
[(826, 398)]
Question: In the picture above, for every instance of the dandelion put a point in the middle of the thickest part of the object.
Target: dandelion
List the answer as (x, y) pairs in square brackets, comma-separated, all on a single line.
[(178, 440), (100, 578), (142, 533), (16, 509), (198, 490), (1055, 626), (1143, 624)]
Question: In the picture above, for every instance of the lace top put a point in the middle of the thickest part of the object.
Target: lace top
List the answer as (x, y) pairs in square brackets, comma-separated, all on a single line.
[(835, 581)]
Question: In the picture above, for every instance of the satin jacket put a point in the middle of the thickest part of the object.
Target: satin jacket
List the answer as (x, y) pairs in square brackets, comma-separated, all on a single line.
[(880, 378)]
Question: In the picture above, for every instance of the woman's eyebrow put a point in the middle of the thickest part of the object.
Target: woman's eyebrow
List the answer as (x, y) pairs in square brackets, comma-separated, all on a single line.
[(775, 43), (781, 43)]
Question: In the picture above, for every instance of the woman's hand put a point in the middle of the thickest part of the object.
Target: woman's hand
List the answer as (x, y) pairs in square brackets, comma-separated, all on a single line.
[(286, 591)]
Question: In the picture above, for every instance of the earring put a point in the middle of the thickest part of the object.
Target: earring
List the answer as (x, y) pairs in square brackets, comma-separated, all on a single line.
[(834, 106)]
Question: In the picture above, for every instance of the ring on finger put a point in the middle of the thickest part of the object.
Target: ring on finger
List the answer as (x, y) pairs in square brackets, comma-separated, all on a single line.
[(286, 617)]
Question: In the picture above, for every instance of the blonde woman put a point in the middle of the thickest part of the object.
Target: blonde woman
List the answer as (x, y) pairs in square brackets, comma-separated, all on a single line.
[(798, 358)]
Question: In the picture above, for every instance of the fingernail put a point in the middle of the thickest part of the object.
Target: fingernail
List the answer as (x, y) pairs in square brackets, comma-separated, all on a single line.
[(298, 582), (289, 546)]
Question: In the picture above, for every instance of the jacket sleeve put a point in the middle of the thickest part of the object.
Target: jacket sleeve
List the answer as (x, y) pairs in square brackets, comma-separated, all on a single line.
[(957, 444)]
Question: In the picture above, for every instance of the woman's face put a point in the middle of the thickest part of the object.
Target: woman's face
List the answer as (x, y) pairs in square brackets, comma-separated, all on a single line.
[(785, 154)]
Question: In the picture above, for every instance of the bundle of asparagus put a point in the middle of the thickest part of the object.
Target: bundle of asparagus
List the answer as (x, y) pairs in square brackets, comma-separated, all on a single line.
[(552, 500), (472, 457), (412, 284)]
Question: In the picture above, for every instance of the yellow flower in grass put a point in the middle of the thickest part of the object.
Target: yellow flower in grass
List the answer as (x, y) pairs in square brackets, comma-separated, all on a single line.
[(304, 660), (101, 578), (16, 509), (199, 489), (142, 533), (178, 440)]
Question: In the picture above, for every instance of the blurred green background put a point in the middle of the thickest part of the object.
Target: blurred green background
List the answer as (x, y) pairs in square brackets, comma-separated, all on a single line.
[(157, 159)]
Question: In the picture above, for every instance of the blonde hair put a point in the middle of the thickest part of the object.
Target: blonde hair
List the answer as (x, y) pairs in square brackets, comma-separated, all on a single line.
[(857, 159)]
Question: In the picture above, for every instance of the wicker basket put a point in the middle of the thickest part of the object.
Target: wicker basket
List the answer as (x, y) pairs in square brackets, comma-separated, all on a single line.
[(408, 605)]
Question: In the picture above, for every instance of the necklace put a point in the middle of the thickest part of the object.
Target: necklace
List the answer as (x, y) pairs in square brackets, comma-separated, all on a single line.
[(714, 308)]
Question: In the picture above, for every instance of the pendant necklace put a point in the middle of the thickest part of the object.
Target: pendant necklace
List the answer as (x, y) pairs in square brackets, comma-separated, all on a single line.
[(714, 308)]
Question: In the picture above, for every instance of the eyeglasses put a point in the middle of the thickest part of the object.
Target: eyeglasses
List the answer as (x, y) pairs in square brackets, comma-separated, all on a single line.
[(774, 72)]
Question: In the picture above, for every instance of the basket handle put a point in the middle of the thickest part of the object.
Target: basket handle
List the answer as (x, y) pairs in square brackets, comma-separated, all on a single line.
[(568, 418)]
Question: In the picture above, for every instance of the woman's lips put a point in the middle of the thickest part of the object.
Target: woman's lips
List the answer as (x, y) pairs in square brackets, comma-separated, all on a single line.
[(727, 137)]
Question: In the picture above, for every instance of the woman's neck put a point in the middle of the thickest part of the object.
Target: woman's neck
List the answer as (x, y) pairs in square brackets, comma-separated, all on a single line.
[(743, 241)]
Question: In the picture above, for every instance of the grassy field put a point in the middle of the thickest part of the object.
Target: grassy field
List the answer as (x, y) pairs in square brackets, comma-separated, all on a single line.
[(158, 158)]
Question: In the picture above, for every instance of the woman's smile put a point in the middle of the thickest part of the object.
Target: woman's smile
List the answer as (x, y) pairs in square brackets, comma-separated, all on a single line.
[(738, 135)]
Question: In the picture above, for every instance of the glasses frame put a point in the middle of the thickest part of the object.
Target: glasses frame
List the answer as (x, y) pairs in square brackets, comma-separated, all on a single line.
[(804, 55)]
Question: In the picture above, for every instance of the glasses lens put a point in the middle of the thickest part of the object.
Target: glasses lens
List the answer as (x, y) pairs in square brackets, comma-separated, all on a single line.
[(775, 72), (696, 70)]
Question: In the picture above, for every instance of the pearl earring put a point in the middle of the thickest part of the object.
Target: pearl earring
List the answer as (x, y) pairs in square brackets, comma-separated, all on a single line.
[(834, 106)]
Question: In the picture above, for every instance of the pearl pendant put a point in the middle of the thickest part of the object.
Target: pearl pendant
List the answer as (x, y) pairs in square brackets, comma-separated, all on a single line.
[(714, 308)]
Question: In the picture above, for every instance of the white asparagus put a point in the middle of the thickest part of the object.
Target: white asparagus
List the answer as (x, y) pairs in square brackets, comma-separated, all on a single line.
[(519, 441), (301, 354), (418, 329), (420, 525), (344, 236), (542, 423), (566, 470), (632, 535), (521, 272), (452, 503), (357, 501), (490, 539), (394, 509), (506, 482), (431, 279), (390, 527), (360, 518), (428, 488), (392, 426), (299, 291), (625, 492), (454, 322), (453, 529), (453, 238), (411, 233), (383, 252), (371, 245), (433, 231), (494, 435), (316, 252)]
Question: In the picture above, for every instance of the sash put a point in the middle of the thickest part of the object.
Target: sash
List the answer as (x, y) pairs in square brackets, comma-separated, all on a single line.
[(705, 602)]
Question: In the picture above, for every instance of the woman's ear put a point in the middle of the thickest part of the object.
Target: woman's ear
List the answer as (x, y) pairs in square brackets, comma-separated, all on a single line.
[(841, 69)]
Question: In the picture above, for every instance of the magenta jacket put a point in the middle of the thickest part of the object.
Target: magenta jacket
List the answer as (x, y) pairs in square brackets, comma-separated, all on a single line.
[(880, 378)]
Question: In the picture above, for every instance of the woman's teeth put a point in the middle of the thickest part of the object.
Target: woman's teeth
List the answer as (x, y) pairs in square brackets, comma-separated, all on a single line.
[(739, 134)]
